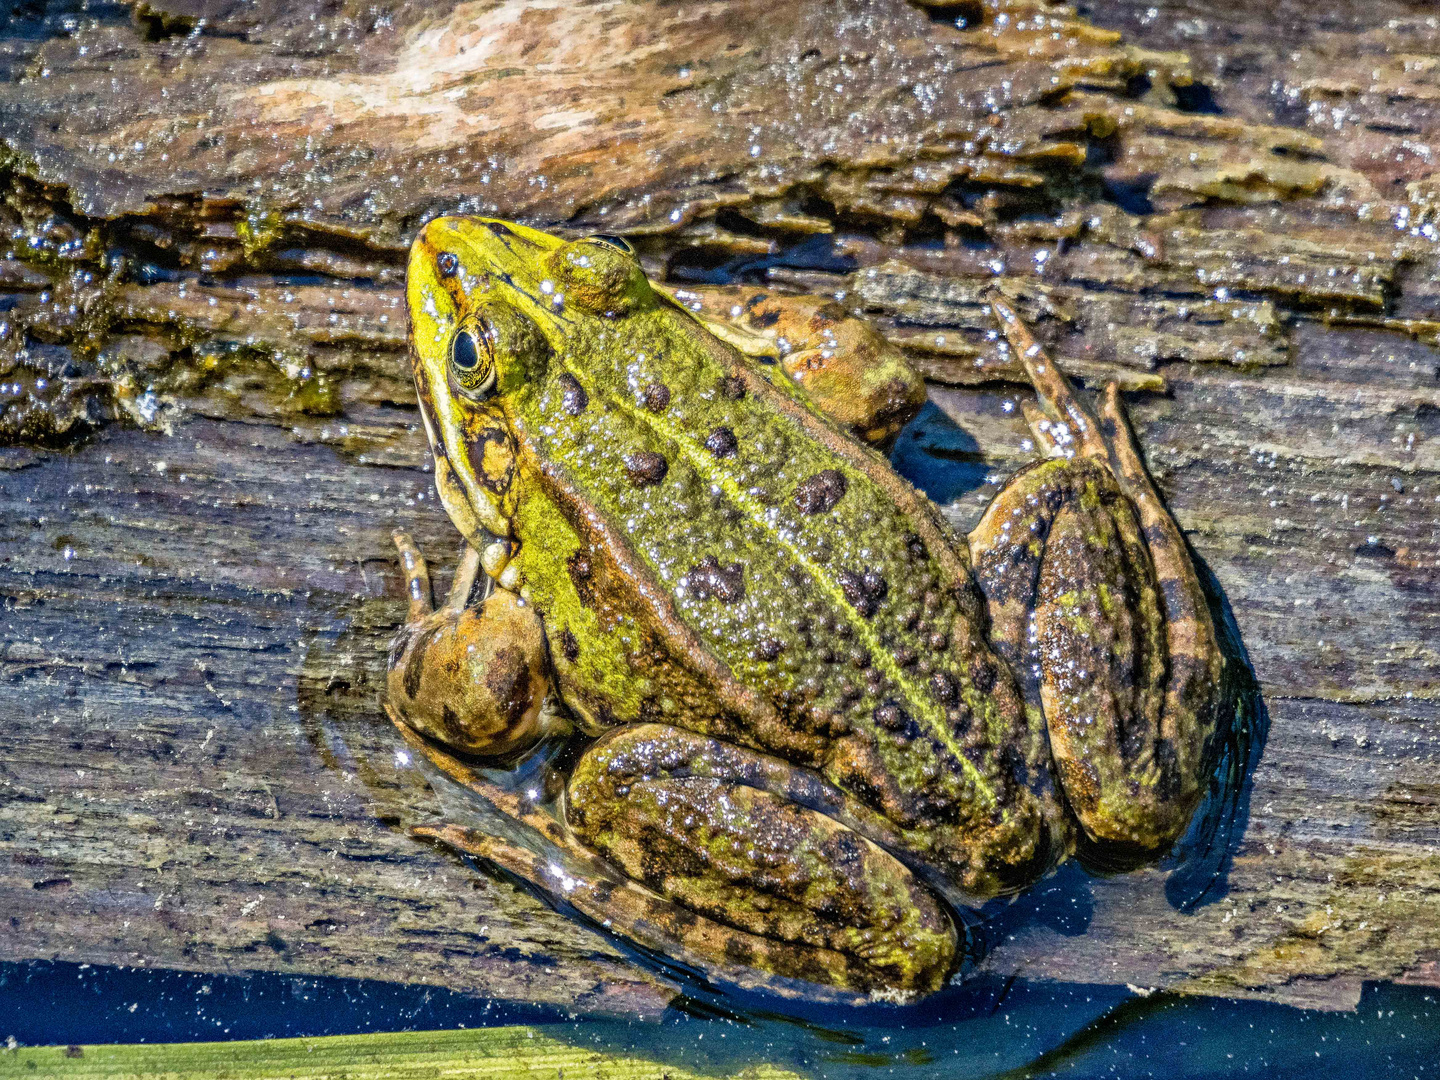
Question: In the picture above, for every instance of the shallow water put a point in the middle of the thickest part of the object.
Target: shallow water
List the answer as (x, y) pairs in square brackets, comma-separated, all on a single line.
[(985, 1029)]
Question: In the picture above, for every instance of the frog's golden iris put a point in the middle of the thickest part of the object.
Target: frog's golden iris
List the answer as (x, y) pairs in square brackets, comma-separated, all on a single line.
[(472, 361), (820, 716)]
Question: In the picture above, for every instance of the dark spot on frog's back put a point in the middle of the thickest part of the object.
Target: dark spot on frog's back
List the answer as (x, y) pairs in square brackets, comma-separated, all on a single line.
[(864, 591), (656, 397), (769, 649), (983, 674), (581, 574), (573, 398), (721, 442), (821, 492), (710, 580), (646, 467), (891, 717), (569, 647), (766, 319), (733, 387)]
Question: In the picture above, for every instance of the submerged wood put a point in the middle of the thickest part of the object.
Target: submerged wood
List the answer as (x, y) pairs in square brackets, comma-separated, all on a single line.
[(213, 432)]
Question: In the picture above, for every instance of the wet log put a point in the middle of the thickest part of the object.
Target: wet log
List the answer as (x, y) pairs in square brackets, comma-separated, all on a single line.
[(211, 433)]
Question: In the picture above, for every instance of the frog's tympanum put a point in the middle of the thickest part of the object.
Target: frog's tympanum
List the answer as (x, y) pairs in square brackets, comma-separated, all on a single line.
[(809, 720)]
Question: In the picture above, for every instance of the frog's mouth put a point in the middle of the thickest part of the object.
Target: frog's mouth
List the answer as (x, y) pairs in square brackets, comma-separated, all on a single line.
[(452, 477)]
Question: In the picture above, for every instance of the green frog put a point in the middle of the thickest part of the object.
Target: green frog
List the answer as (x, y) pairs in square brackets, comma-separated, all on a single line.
[(810, 722)]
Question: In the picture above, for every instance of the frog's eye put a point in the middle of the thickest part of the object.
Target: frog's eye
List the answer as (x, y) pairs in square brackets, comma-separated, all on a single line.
[(495, 349), (619, 243), (601, 275), (472, 360)]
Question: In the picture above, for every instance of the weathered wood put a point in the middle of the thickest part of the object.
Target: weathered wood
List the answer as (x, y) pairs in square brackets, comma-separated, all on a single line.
[(194, 529)]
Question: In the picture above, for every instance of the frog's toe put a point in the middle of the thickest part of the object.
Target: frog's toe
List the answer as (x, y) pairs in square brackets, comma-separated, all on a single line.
[(417, 575), (473, 678), (1047, 436), (1072, 425)]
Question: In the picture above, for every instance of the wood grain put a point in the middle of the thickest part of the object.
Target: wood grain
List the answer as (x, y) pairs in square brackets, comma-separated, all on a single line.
[(212, 431)]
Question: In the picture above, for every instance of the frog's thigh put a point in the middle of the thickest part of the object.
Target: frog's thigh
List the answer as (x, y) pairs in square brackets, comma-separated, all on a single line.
[(1076, 610), (808, 898)]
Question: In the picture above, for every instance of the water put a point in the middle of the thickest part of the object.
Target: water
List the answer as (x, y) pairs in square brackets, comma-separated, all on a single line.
[(987, 1028)]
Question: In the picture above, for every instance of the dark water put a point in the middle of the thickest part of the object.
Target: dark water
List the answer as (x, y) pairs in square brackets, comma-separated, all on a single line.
[(987, 1029)]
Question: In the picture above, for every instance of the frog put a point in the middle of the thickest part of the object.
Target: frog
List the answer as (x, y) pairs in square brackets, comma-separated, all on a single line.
[(806, 727)]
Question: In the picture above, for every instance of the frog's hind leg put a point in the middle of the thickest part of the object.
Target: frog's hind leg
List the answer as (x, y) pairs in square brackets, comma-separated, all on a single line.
[(797, 892), (670, 834), (1193, 649), (1095, 603)]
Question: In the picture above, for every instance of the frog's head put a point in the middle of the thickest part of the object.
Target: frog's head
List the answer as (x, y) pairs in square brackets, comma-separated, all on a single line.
[(491, 304)]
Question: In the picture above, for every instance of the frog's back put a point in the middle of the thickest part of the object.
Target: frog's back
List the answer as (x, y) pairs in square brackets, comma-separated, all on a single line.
[(791, 572)]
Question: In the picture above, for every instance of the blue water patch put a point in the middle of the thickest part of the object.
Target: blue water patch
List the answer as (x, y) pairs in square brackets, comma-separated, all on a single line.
[(988, 1028)]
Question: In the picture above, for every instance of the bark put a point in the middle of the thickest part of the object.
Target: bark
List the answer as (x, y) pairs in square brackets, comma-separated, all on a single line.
[(212, 432)]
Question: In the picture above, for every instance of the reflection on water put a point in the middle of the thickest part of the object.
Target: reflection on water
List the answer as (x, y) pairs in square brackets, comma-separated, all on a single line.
[(990, 1029)]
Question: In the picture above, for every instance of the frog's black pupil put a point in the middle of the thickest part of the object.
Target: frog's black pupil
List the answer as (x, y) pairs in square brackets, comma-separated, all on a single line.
[(449, 264), (615, 242), (464, 353)]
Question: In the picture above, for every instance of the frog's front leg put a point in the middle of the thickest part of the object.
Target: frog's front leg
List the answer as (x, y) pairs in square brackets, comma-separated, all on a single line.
[(1096, 605), (729, 860), (475, 679), (840, 363)]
